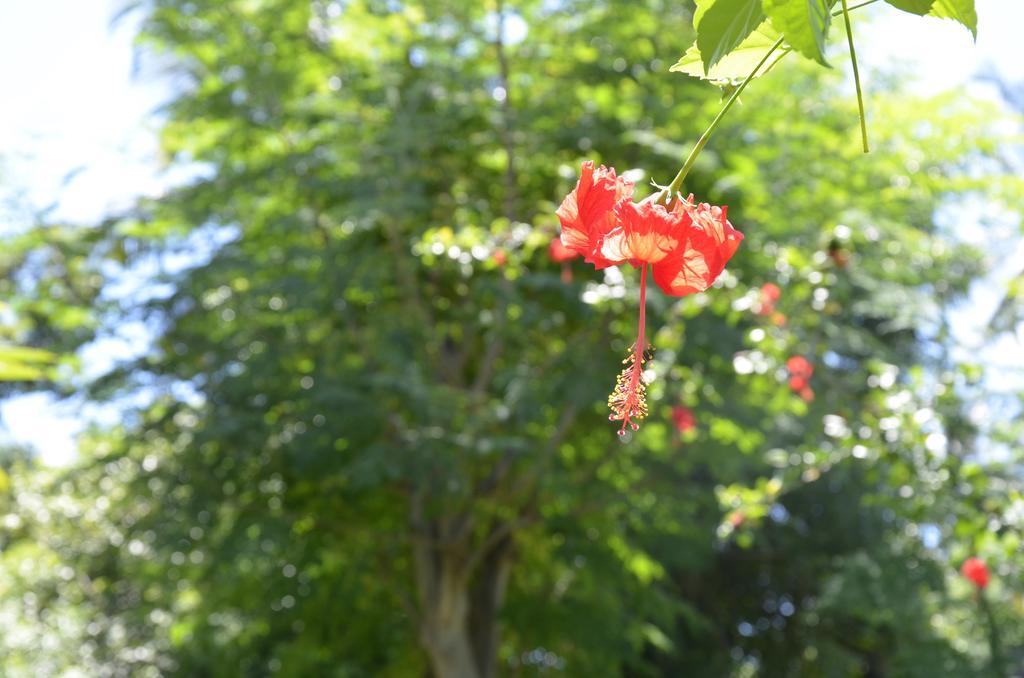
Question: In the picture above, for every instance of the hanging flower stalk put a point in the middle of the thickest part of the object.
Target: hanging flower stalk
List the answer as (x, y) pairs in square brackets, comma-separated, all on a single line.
[(684, 244)]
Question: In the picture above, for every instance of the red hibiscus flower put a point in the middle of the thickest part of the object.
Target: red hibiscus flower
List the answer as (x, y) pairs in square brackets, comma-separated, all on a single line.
[(686, 245), (975, 570), (588, 212), (683, 419)]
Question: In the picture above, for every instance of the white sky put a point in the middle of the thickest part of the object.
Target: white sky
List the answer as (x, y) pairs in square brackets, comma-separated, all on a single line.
[(70, 103)]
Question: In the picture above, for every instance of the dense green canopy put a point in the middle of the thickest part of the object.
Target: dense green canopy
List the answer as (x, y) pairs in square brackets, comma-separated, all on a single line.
[(372, 425)]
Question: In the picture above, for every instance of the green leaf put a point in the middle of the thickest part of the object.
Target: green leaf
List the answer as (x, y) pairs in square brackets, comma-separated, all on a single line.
[(723, 25), (918, 7), (804, 23), (19, 363), (24, 354), (958, 10), (737, 64)]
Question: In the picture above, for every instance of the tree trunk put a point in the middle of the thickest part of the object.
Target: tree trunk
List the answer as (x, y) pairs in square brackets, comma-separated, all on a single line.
[(488, 594), (460, 591), (445, 631)]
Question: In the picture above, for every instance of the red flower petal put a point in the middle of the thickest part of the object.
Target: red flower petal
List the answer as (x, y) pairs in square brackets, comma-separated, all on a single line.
[(587, 213), (712, 220), (700, 259), (647, 234)]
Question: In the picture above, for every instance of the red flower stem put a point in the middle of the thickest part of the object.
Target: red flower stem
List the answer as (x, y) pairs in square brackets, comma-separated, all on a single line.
[(640, 343), (638, 352)]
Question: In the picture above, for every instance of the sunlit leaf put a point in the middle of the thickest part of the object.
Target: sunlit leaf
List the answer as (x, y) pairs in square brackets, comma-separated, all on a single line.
[(805, 24), (738, 63), (961, 11), (723, 25), (19, 363), (919, 7)]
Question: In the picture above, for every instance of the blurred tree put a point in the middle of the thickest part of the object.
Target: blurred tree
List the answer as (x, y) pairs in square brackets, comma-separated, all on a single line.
[(373, 426)]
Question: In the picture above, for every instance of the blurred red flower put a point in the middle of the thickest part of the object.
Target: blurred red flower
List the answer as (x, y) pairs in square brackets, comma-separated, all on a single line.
[(975, 570), (800, 366), (559, 252), (770, 293), (800, 370), (683, 419), (499, 258)]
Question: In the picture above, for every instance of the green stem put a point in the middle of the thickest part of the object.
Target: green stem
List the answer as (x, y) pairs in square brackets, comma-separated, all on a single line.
[(677, 182), (856, 78), (863, 4)]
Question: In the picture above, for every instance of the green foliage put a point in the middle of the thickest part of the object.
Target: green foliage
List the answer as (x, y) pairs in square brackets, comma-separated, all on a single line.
[(19, 363), (732, 35)]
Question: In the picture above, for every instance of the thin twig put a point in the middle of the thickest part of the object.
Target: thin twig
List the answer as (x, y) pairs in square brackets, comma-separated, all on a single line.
[(856, 78)]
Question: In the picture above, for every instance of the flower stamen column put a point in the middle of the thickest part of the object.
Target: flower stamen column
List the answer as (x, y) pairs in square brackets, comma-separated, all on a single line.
[(628, 402)]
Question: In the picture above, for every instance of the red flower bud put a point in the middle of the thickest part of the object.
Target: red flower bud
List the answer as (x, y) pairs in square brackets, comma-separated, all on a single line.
[(683, 419), (559, 252), (975, 570)]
